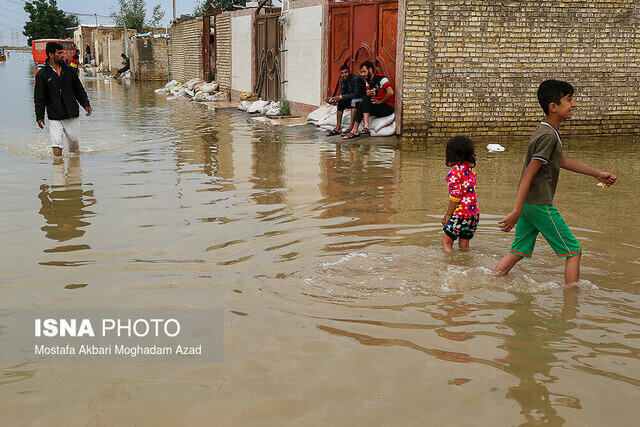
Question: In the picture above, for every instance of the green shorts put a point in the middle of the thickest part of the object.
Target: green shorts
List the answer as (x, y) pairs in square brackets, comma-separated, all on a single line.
[(543, 219)]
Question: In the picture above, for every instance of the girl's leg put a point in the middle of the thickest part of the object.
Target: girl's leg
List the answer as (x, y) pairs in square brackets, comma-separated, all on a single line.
[(463, 244), (572, 270), (447, 244), (506, 264)]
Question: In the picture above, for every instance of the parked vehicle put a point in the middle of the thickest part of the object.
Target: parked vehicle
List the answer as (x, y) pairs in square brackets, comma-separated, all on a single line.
[(3, 54)]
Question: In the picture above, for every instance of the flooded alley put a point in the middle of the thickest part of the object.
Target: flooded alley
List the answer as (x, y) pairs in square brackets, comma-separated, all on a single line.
[(326, 260)]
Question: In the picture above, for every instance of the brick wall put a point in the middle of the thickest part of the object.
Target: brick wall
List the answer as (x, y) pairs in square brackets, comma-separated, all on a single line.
[(473, 67), (149, 58), (185, 50), (223, 47)]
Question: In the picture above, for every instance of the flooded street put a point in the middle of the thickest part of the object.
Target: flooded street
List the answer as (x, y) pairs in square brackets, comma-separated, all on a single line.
[(339, 305)]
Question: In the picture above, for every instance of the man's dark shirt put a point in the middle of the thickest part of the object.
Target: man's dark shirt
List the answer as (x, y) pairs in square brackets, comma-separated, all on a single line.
[(60, 94), (352, 87)]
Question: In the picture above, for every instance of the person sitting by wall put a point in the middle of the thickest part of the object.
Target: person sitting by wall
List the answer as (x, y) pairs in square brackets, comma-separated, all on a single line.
[(377, 102), (87, 56), (124, 69), (352, 90)]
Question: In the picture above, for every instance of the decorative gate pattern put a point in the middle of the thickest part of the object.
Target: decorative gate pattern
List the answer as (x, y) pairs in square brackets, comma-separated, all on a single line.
[(361, 30), (268, 59)]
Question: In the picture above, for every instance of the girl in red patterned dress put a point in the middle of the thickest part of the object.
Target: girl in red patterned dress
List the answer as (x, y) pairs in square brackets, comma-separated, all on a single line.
[(461, 219)]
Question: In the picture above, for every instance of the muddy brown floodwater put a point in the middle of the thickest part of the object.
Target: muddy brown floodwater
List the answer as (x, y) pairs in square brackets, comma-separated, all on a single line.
[(339, 306)]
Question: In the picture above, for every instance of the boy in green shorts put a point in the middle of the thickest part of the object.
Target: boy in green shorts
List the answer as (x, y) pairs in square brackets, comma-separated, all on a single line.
[(534, 211)]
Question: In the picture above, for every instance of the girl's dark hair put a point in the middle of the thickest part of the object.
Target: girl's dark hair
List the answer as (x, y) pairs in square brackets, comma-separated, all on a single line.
[(460, 149)]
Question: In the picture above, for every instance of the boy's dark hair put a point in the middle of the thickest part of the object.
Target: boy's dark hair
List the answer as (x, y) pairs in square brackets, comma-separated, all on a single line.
[(551, 91), (52, 47), (368, 65), (460, 149), (344, 67)]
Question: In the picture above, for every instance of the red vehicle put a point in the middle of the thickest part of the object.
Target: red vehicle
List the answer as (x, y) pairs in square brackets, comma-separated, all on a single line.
[(39, 54)]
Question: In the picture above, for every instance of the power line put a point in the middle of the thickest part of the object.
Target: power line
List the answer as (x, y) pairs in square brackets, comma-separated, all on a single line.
[(16, 2), (11, 27), (13, 11), (11, 19)]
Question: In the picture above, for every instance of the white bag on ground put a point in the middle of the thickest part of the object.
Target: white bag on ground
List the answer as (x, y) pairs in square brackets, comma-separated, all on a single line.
[(209, 87), (274, 109), (322, 113), (385, 131), (244, 105), (378, 123), (191, 82), (200, 96), (257, 106), (171, 84)]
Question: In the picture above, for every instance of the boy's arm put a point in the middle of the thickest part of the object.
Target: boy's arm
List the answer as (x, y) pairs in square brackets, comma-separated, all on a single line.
[(510, 220), (606, 177)]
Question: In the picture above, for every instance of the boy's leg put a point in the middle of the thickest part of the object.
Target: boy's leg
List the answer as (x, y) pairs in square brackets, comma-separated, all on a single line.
[(572, 270), (557, 233), (366, 110), (506, 264), (463, 244), (522, 246)]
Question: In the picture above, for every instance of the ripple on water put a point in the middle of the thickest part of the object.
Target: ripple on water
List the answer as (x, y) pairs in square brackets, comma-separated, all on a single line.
[(414, 271)]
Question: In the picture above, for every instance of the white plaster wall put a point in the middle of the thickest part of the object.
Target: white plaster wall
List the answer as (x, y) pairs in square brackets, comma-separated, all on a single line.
[(241, 53), (303, 59)]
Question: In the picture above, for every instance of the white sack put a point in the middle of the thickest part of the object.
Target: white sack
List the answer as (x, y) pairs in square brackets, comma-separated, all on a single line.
[(385, 131), (257, 106)]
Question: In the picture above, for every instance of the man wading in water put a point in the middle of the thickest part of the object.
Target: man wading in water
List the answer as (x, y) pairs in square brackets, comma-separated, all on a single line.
[(59, 89)]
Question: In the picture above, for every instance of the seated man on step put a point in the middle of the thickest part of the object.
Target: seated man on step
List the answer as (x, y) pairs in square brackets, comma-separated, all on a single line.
[(377, 102), (352, 90)]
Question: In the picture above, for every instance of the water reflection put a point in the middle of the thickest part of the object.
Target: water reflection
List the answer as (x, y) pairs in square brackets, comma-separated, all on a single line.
[(65, 203), (532, 353)]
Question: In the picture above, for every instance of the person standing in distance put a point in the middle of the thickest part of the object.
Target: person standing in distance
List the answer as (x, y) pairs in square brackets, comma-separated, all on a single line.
[(58, 88)]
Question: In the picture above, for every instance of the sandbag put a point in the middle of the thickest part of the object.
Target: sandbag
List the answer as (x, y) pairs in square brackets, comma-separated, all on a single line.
[(171, 84), (200, 96), (218, 96), (332, 119), (274, 109), (325, 110), (244, 105), (257, 106), (209, 87), (161, 90), (378, 123), (385, 131), (191, 82), (190, 93)]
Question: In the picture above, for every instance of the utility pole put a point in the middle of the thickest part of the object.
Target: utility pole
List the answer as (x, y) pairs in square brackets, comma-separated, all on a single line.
[(126, 40), (174, 10)]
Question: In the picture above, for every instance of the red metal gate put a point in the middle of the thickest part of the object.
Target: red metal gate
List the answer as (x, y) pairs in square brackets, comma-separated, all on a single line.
[(361, 30)]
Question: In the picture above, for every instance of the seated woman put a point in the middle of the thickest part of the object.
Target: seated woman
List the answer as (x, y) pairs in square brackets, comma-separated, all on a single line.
[(377, 102)]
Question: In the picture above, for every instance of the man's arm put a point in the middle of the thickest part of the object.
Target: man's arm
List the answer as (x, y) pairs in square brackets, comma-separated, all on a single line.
[(605, 177), (40, 98), (388, 96), (510, 220), (81, 94)]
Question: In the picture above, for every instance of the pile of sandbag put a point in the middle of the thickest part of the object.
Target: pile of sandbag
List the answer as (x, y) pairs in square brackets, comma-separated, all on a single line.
[(194, 90), (325, 118), (261, 107)]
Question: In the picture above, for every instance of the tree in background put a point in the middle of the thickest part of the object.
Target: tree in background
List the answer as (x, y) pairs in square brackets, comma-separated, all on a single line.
[(227, 5), (135, 15), (46, 21)]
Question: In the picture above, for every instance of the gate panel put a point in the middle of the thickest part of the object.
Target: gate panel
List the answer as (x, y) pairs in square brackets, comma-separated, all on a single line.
[(268, 61), (361, 30)]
